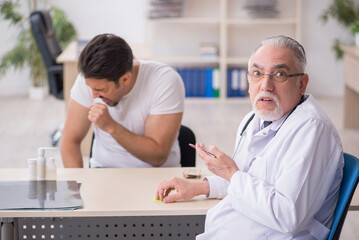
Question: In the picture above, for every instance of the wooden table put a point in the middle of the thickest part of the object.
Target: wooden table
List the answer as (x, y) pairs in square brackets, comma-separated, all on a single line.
[(69, 60), (116, 202), (351, 79)]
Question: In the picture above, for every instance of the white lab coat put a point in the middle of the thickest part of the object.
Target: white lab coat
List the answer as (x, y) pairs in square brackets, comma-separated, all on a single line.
[(288, 183)]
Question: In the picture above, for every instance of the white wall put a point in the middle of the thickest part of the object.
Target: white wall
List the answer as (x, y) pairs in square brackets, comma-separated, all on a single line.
[(326, 73), (127, 19), (121, 17), (90, 17), (13, 83)]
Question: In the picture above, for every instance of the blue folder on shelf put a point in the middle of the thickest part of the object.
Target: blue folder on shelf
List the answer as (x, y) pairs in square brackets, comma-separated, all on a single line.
[(237, 85), (209, 82)]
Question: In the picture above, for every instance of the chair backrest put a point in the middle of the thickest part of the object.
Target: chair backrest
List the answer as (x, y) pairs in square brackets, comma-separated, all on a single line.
[(188, 154), (44, 36), (347, 189)]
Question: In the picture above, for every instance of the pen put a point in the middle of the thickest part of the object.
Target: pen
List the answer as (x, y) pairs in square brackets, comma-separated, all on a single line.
[(209, 153)]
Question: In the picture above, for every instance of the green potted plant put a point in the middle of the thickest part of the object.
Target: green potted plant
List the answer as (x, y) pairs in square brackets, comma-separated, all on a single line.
[(346, 13), (25, 53), (354, 28)]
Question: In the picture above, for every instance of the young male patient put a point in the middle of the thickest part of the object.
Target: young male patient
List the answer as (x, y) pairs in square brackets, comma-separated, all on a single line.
[(136, 108)]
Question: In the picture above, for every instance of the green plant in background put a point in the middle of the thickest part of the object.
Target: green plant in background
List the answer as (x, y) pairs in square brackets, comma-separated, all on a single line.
[(346, 13), (25, 53), (354, 27)]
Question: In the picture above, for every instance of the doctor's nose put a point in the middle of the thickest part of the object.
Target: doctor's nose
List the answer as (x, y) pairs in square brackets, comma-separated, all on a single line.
[(267, 83)]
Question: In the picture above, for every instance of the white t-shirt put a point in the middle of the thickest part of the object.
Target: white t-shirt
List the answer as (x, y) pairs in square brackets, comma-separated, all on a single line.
[(158, 90)]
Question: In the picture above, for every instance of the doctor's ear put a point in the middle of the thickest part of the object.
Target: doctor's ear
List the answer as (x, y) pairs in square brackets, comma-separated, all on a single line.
[(303, 83)]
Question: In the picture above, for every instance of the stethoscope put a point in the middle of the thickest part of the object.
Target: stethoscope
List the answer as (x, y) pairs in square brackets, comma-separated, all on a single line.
[(241, 134), (303, 98)]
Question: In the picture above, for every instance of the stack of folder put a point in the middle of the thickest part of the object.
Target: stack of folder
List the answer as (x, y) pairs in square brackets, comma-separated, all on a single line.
[(200, 82), (205, 82), (165, 8), (237, 84)]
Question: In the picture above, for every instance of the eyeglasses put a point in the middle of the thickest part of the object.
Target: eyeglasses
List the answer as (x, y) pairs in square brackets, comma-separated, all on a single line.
[(278, 76)]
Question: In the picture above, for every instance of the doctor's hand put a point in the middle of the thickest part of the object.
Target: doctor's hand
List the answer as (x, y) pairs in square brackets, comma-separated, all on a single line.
[(184, 189), (99, 115), (221, 165)]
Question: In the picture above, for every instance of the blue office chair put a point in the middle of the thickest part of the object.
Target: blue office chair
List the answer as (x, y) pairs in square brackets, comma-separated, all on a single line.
[(44, 35), (347, 189)]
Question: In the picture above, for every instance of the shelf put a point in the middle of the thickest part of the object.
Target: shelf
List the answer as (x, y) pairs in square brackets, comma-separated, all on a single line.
[(224, 23), (237, 60), (239, 21), (184, 60), (261, 21), (186, 20), (206, 100)]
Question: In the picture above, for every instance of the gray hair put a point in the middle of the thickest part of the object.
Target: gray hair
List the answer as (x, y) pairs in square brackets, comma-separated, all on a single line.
[(285, 42)]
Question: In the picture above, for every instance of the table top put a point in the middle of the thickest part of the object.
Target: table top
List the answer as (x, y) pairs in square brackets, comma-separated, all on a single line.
[(115, 192), (350, 50), (69, 54), (110, 192)]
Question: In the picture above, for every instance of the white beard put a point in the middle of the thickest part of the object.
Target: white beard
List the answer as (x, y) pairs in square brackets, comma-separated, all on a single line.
[(267, 115)]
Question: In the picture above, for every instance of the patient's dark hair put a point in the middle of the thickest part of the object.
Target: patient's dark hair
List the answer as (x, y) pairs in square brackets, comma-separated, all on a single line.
[(106, 56)]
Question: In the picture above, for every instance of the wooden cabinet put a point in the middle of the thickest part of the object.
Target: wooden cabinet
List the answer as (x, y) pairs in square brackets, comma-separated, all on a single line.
[(351, 94), (176, 41)]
